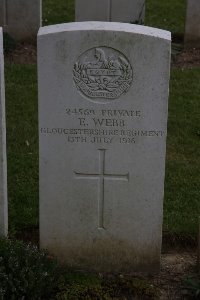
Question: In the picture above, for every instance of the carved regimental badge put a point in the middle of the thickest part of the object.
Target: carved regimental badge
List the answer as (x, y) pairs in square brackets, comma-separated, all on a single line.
[(103, 72)]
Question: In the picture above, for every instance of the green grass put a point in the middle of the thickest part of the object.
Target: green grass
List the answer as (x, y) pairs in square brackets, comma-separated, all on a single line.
[(58, 11), (182, 194), (169, 15), (22, 145), (182, 205)]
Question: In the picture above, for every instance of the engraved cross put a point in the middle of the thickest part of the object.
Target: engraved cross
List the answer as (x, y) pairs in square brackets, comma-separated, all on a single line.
[(101, 175)]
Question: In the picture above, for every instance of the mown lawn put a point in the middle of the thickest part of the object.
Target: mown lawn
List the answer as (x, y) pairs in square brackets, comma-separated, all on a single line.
[(182, 205), (22, 145), (182, 193), (169, 15)]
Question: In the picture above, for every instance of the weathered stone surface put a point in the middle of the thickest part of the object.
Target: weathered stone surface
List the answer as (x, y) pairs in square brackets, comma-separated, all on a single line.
[(3, 164), (103, 122), (127, 11), (192, 26), (21, 18), (95, 10)]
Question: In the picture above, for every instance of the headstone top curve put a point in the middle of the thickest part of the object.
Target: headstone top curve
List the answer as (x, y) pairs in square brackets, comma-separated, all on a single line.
[(108, 26)]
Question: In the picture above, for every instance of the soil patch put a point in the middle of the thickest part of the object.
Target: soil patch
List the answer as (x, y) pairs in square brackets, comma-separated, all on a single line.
[(22, 54), (187, 59), (175, 267)]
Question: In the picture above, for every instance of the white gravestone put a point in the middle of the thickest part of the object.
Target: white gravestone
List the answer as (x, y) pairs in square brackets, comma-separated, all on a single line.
[(3, 164), (127, 11), (21, 18), (192, 26), (103, 122)]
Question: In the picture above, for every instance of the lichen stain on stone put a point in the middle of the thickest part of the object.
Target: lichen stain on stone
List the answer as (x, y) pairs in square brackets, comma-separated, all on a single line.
[(62, 51), (108, 256)]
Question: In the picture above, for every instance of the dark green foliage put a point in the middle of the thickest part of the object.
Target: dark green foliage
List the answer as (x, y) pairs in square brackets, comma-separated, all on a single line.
[(191, 284), (26, 272), (86, 286)]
